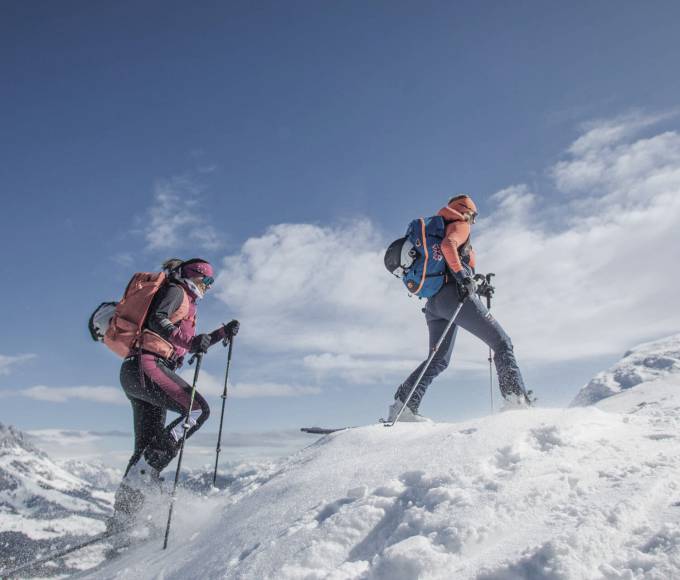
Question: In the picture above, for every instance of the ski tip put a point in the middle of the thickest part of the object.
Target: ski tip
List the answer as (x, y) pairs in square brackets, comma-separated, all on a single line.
[(323, 430)]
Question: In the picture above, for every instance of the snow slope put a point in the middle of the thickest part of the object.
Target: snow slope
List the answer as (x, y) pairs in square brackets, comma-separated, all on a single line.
[(646, 362), (42, 505), (586, 492)]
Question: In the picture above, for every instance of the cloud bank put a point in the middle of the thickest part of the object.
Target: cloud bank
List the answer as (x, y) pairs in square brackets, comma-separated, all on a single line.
[(106, 395), (209, 384), (587, 269)]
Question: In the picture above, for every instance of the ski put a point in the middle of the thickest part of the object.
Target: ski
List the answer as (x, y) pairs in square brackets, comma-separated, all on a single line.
[(322, 430), (68, 550)]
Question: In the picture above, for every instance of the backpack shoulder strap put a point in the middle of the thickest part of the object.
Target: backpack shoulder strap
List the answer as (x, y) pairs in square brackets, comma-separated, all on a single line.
[(183, 310)]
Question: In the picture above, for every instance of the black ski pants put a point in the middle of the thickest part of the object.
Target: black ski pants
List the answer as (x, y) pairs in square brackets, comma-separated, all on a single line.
[(153, 389)]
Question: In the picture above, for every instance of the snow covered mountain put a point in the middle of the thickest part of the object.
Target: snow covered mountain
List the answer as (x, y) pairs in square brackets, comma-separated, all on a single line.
[(543, 494), (42, 505), (646, 362)]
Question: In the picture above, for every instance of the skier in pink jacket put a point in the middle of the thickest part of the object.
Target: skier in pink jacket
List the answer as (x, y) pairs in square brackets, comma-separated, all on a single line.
[(153, 387)]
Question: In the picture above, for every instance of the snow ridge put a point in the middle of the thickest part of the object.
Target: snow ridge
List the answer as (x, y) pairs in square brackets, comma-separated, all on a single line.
[(646, 362), (543, 494)]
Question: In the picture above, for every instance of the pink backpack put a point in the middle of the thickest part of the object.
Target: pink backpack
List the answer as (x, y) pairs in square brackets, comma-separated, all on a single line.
[(119, 324)]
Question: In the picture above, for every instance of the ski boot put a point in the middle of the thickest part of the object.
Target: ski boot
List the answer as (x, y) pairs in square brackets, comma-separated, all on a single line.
[(407, 416), (521, 400), (139, 491)]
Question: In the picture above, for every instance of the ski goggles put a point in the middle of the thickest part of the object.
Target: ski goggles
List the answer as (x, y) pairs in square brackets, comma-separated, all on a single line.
[(208, 280)]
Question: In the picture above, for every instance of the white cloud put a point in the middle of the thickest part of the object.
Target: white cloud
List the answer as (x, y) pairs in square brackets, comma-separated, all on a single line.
[(209, 384), (602, 278), (7, 362), (604, 133), (312, 289), (358, 369), (587, 272), (64, 394), (361, 370), (176, 219)]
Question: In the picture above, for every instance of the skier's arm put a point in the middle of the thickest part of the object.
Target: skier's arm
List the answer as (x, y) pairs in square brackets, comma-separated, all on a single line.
[(166, 303), (472, 260), (456, 234)]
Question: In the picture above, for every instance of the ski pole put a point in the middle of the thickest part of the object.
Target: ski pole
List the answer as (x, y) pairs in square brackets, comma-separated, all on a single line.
[(224, 402), (489, 293), (428, 362), (187, 426)]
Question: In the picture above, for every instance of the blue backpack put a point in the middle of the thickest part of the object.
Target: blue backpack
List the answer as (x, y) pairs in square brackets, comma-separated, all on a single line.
[(417, 258)]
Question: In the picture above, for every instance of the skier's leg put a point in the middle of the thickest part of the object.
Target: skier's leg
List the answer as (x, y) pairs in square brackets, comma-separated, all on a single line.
[(131, 381), (175, 392), (476, 319), (436, 326), (148, 419)]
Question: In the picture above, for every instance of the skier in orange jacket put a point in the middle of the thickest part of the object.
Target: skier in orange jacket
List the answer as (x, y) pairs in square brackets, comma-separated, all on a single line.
[(460, 214)]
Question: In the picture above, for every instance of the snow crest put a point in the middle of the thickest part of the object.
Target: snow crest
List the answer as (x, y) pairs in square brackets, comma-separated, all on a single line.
[(646, 362), (542, 494)]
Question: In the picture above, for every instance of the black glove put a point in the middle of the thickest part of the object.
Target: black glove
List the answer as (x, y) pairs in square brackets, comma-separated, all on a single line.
[(468, 286), (225, 332), (231, 329), (200, 343)]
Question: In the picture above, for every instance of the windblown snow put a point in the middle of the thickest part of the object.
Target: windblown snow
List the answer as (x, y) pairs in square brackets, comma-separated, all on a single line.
[(585, 492)]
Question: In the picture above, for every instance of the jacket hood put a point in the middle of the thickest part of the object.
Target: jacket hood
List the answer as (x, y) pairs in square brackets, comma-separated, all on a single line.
[(454, 211)]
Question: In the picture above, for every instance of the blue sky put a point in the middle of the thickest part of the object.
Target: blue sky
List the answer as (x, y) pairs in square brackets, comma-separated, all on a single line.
[(136, 131)]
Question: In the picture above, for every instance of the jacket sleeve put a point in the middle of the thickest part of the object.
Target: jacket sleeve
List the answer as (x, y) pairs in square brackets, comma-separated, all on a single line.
[(164, 305), (456, 234), (473, 260)]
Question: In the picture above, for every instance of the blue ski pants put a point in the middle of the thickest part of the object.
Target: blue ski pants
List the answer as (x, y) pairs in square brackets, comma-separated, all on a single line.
[(475, 318)]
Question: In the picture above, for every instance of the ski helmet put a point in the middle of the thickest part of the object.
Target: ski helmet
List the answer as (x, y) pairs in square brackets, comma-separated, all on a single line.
[(399, 257), (197, 268)]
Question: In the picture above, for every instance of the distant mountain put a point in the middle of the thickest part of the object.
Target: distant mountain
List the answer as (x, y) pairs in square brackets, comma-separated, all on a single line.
[(96, 473), (644, 363), (42, 504)]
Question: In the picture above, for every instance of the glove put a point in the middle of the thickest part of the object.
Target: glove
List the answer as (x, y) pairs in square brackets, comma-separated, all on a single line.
[(467, 286), (200, 343), (231, 329), (225, 332)]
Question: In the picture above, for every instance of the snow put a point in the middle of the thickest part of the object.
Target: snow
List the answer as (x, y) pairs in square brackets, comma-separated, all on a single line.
[(585, 492), (646, 362), (42, 504)]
